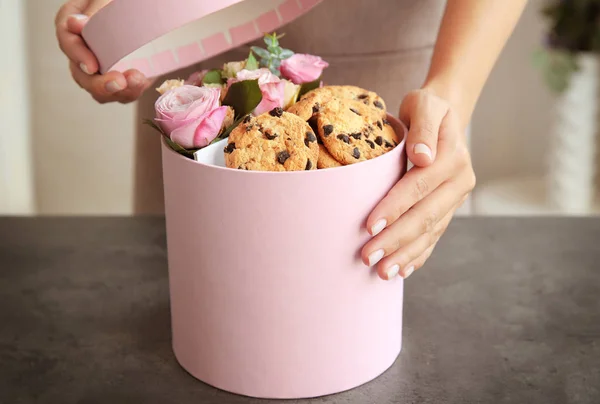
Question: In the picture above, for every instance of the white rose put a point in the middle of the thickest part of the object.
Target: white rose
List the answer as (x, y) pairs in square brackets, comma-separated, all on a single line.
[(169, 85), (290, 94), (231, 69)]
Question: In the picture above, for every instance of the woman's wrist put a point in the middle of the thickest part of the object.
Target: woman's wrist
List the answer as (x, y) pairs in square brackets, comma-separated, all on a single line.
[(453, 93)]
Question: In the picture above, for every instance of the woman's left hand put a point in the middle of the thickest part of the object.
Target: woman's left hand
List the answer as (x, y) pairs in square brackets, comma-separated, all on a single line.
[(409, 221)]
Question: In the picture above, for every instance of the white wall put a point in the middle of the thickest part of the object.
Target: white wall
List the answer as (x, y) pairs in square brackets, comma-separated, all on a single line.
[(16, 185), (83, 152), (513, 115)]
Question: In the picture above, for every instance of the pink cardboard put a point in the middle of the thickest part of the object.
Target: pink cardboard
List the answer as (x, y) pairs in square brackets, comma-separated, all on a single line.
[(154, 33), (269, 297)]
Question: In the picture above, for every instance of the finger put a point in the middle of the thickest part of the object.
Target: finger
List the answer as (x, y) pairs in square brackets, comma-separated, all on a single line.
[(405, 260), (137, 83), (101, 87), (418, 262), (72, 44), (423, 112), (421, 219), (419, 182)]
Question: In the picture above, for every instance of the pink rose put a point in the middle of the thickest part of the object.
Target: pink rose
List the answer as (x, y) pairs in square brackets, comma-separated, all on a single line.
[(191, 116), (271, 87), (195, 78), (302, 68)]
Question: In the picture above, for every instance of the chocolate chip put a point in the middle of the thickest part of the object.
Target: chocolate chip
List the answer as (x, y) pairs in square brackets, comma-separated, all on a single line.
[(308, 165), (370, 143), (247, 119), (356, 136), (363, 96), (355, 111), (378, 104), (356, 153), (379, 124), (344, 138), (388, 145), (283, 156), (386, 122), (327, 129), (276, 112), (395, 143), (310, 137), (316, 108), (379, 140), (249, 128), (271, 136), (229, 148)]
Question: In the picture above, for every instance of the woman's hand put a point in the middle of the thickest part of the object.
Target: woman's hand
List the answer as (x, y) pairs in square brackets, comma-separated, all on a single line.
[(409, 221), (110, 87)]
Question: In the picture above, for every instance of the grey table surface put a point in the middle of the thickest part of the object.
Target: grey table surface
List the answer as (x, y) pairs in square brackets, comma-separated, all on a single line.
[(506, 311)]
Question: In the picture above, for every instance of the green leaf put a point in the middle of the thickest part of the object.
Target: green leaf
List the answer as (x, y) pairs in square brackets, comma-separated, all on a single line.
[(177, 148), (251, 63), (153, 125), (260, 52), (228, 131), (285, 54), (243, 97), (213, 77), (306, 87), (181, 150)]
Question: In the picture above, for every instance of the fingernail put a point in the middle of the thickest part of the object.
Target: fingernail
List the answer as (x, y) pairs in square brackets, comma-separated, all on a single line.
[(408, 272), (84, 68), (421, 148), (378, 227), (392, 271), (375, 257), (113, 87), (80, 17)]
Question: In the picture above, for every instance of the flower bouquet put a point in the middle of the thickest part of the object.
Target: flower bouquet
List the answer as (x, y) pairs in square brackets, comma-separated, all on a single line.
[(194, 113), (276, 112)]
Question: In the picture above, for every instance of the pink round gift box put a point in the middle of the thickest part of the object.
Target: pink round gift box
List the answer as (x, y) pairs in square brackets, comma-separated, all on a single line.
[(269, 296)]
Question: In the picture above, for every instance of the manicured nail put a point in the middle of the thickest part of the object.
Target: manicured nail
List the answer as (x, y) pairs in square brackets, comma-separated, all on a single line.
[(408, 272), (113, 87), (378, 227), (421, 148), (84, 69), (80, 17), (375, 257), (392, 271)]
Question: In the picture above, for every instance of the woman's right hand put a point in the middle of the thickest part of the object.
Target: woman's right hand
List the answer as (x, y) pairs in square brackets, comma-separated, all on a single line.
[(110, 87)]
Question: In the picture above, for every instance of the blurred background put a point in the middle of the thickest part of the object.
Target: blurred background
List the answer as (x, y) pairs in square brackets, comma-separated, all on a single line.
[(63, 154)]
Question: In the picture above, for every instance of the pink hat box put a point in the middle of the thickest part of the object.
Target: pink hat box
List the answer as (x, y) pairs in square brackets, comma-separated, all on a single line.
[(269, 295)]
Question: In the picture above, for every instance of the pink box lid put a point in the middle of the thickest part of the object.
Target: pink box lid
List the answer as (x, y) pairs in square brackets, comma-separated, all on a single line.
[(159, 36)]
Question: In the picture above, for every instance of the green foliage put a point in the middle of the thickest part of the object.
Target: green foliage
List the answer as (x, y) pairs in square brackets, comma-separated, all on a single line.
[(574, 27), (251, 62), (189, 153), (307, 87), (243, 97), (557, 66), (213, 77), (272, 57)]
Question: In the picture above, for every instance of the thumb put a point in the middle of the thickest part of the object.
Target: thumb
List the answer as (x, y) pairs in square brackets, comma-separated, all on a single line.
[(423, 112)]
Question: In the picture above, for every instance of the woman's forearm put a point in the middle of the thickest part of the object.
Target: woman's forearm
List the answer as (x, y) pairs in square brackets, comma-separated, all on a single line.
[(471, 37)]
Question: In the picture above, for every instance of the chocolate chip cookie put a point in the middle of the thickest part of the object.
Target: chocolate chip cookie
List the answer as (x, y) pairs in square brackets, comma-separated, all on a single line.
[(274, 141), (352, 93), (326, 160), (353, 132), (309, 105)]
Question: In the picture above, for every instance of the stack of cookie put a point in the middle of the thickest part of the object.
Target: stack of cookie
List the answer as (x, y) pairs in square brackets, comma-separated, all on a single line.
[(328, 127)]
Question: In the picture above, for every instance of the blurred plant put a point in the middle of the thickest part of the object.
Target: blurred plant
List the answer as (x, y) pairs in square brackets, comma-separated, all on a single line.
[(574, 28)]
